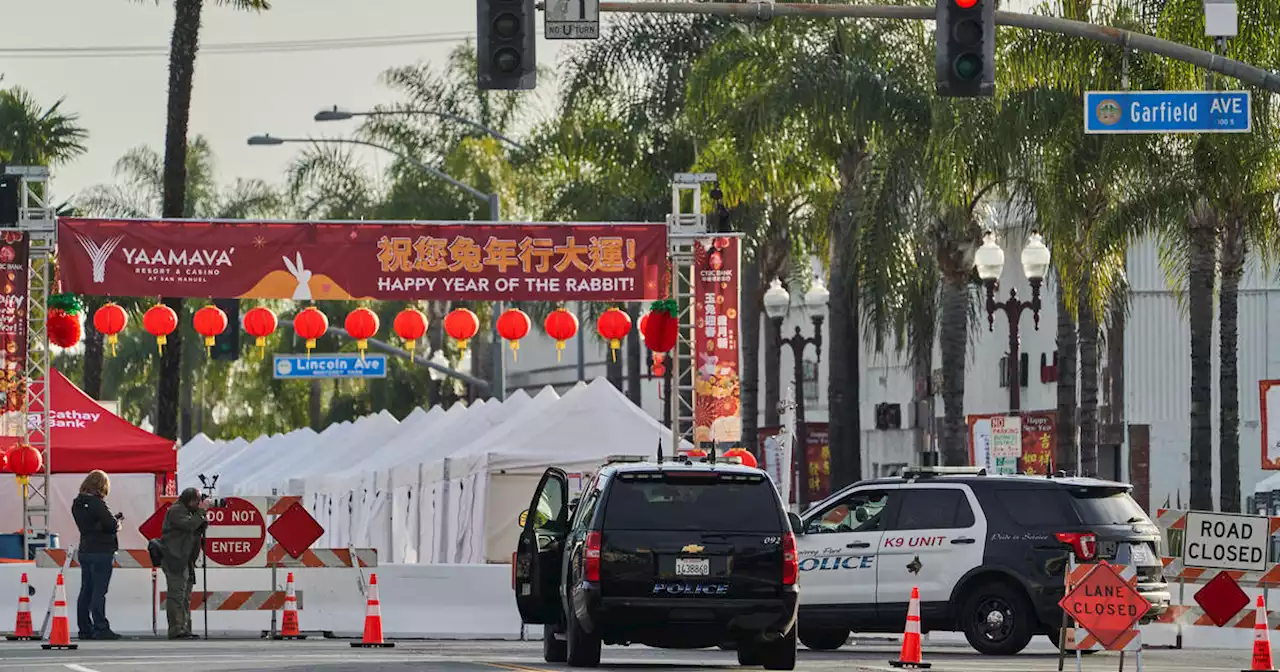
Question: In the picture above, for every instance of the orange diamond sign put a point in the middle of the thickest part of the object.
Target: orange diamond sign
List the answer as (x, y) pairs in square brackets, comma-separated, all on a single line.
[(1105, 604)]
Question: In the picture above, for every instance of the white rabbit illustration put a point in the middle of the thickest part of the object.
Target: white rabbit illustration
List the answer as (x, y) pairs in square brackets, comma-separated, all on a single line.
[(303, 292)]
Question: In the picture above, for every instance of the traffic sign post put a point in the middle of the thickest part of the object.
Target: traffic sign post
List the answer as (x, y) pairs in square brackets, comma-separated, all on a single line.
[(237, 534), (294, 367), (1105, 605), (572, 20), (1226, 541), (1114, 112)]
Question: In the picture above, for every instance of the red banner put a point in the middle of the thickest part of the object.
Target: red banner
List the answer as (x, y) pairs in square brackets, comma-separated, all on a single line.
[(383, 261), (717, 390), (14, 255)]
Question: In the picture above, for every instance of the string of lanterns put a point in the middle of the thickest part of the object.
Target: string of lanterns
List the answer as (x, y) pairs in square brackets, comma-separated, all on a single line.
[(658, 328)]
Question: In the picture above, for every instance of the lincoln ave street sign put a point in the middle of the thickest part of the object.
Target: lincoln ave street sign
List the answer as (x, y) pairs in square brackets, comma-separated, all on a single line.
[(290, 367), (1167, 112)]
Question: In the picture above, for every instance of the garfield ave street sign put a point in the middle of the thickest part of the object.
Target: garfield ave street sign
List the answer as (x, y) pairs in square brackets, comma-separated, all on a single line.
[(1167, 112)]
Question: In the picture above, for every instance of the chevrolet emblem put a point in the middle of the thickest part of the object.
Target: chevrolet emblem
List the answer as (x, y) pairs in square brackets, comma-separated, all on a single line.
[(693, 548)]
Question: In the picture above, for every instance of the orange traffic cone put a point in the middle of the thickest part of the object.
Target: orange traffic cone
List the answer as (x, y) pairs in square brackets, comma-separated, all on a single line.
[(289, 626), (373, 620), (60, 633), (1261, 642), (911, 656), (22, 629)]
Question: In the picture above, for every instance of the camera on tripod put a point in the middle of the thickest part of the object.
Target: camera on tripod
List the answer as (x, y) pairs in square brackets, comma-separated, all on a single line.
[(209, 485)]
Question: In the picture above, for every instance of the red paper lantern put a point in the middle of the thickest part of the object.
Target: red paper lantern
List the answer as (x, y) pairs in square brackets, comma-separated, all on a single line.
[(362, 324), (748, 460), (662, 328), (410, 325), (461, 325), (260, 323), (24, 461), (160, 321), (640, 325), (613, 326), (659, 364), (514, 325), (561, 325), (209, 322), (310, 324), (64, 331), (110, 320)]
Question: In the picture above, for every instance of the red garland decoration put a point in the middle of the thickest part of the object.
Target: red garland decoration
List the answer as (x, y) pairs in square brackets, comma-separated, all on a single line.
[(64, 328)]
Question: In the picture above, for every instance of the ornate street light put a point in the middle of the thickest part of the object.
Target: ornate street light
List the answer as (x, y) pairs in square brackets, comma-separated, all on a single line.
[(989, 262)]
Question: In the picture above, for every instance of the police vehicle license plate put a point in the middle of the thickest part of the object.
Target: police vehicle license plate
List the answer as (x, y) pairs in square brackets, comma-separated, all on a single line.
[(693, 566)]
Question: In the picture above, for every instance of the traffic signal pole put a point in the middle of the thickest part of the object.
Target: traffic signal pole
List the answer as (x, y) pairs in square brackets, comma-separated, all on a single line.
[(1125, 39)]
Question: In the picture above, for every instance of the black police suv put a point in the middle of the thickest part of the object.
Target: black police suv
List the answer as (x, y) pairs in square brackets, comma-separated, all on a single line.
[(667, 554), (988, 554)]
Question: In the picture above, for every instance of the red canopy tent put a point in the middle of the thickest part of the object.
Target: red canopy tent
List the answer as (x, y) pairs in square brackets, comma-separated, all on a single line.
[(87, 436)]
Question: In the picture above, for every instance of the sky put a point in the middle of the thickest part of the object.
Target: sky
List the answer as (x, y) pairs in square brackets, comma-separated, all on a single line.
[(121, 100)]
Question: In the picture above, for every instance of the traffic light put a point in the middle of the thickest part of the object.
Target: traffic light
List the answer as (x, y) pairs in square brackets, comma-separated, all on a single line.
[(966, 39), (506, 50), (226, 346)]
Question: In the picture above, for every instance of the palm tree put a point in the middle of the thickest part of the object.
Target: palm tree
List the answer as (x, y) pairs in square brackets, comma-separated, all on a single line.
[(183, 45), (138, 193), (34, 135), (830, 88)]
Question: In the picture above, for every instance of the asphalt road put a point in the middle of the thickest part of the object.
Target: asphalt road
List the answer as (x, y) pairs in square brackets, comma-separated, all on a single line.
[(332, 656)]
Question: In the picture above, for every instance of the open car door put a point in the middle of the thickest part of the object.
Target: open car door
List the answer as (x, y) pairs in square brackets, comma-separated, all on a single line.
[(540, 550)]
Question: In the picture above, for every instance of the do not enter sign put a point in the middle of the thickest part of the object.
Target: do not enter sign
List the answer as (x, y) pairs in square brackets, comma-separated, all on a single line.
[(237, 534)]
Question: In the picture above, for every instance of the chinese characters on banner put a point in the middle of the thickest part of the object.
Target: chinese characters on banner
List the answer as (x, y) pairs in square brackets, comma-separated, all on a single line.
[(717, 390), (14, 249), (381, 261), (1039, 441), (819, 452)]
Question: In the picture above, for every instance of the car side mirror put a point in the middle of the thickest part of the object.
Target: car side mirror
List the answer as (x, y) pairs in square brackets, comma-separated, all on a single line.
[(797, 526)]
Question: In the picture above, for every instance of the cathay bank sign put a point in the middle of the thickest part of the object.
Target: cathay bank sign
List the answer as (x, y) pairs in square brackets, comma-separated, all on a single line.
[(65, 420)]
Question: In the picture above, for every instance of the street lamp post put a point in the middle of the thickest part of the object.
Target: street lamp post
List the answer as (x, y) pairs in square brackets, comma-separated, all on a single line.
[(335, 114), (499, 389), (989, 261), (777, 303)]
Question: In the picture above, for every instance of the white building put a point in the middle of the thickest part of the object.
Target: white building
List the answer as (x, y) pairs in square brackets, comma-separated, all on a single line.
[(1157, 373)]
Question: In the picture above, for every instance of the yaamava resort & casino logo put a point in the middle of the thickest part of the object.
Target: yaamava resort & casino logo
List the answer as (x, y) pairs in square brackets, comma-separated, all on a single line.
[(1109, 112)]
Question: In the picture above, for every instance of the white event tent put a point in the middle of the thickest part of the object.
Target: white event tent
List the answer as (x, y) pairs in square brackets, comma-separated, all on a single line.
[(441, 485)]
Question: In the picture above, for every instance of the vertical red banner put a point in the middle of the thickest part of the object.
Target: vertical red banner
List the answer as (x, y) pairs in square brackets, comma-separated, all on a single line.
[(818, 447), (717, 390), (14, 254), (1039, 440)]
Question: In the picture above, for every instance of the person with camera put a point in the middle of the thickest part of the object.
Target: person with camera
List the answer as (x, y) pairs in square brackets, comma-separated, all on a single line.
[(97, 553), (184, 526)]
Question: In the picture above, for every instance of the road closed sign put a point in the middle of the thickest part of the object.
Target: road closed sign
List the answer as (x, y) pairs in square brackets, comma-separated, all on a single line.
[(237, 534), (1225, 541)]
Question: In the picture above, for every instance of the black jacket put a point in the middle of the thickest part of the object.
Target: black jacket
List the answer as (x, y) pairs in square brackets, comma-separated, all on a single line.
[(97, 524)]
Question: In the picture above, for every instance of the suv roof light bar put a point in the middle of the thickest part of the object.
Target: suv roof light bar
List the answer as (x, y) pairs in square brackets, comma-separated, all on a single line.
[(620, 459), (930, 472)]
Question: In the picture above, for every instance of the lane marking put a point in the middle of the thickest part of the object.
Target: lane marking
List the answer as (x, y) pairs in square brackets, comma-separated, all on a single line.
[(78, 668)]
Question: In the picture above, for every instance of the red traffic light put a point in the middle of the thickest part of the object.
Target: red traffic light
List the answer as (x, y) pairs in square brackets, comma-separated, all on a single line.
[(966, 4)]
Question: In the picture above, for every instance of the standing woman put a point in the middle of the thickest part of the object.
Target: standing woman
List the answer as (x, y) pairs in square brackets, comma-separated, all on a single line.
[(97, 551)]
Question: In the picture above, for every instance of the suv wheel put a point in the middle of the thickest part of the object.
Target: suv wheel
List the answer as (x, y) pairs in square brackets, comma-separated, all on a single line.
[(553, 650), (749, 652), (997, 619), (582, 647), (780, 654), (824, 639)]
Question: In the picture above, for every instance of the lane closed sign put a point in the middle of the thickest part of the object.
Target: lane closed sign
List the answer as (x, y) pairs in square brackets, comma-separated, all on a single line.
[(1225, 541)]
